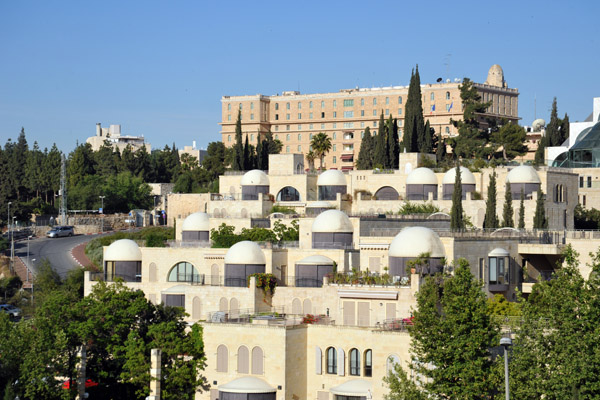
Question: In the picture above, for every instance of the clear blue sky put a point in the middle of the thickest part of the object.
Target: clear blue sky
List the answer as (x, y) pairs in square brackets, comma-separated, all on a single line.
[(159, 68)]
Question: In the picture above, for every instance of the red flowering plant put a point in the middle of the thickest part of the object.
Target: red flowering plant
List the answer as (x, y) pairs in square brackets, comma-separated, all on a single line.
[(266, 282)]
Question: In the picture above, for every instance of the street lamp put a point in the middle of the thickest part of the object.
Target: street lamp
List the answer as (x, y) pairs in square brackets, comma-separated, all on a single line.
[(12, 243), (506, 342), (27, 266), (102, 212)]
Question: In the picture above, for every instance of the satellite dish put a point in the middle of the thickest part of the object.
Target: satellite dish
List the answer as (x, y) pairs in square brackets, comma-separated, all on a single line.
[(439, 80)]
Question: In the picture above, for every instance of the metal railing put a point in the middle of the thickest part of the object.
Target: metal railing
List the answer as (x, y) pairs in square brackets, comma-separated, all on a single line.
[(100, 276), (189, 244)]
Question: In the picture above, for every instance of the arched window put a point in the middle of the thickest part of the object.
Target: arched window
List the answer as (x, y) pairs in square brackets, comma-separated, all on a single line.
[(184, 272), (447, 95), (354, 362), (257, 361), (368, 363), (296, 307), (447, 129), (276, 106), (331, 360), (243, 360), (432, 96), (222, 358), (288, 193)]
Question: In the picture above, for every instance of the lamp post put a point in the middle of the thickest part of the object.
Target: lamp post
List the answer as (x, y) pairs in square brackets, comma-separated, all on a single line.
[(12, 244), (27, 266), (102, 212), (506, 342)]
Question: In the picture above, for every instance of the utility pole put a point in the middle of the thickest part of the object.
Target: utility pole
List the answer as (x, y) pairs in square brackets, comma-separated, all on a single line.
[(63, 191), (8, 226)]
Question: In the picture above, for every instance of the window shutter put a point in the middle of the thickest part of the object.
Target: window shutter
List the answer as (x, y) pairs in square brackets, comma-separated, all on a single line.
[(318, 361)]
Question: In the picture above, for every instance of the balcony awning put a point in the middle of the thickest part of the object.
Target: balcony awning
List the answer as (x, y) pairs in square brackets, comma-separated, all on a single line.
[(347, 157), (354, 387), (247, 384)]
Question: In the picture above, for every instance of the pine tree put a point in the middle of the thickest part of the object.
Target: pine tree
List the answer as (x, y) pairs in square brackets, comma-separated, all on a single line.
[(491, 219), (365, 155), (456, 214), (522, 211), (393, 146), (238, 147), (511, 137), (507, 213), (539, 219)]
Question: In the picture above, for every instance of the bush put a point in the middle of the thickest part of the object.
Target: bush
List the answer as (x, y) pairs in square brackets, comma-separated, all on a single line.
[(282, 209), (409, 208)]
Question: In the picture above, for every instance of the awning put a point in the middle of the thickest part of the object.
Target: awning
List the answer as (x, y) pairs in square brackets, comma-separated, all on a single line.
[(355, 387), (347, 157), (247, 384)]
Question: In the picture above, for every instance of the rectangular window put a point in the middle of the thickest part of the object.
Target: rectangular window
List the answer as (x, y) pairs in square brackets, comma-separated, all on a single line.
[(310, 116), (447, 107), (322, 104), (252, 106), (399, 99), (589, 181), (287, 149), (481, 265), (362, 124), (349, 103), (362, 134), (581, 181), (374, 102), (348, 147), (299, 127), (387, 111), (432, 96), (387, 100), (362, 113), (251, 117), (333, 148), (287, 116), (374, 113), (299, 115), (299, 149), (229, 117), (299, 106), (375, 124), (299, 137), (335, 103), (276, 128), (252, 137), (348, 114), (287, 127), (334, 125), (493, 270), (584, 199), (287, 105), (334, 159), (333, 135), (322, 115), (399, 111), (229, 107), (362, 102), (322, 126), (348, 124), (287, 137), (310, 104), (335, 114), (276, 117), (310, 126)]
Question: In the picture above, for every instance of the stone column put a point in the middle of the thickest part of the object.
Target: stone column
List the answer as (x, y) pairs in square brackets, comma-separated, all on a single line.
[(155, 374)]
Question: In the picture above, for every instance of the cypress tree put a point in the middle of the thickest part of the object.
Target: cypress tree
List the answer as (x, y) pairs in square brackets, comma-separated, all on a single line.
[(440, 151), (238, 149), (418, 112), (456, 214), (507, 213), (365, 155), (552, 130), (427, 139), (540, 156), (539, 219), (407, 143), (381, 155), (564, 129), (393, 146), (414, 125), (259, 154), (246, 156), (522, 211), (491, 219)]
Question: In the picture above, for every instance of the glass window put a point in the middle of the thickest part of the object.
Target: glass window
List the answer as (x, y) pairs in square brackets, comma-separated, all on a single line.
[(252, 137), (310, 116), (399, 111), (251, 116), (387, 100), (229, 107), (276, 106), (362, 124), (432, 97), (322, 126), (348, 114), (299, 149), (287, 116), (310, 136), (229, 138), (374, 101), (333, 147), (580, 180), (334, 159), (299, 127), (287, 137), (299, 115), (368, 363), (252, 106), (335, 103), (229, 117), (310, 126), (447, 129), (334, 125), (447, 107), (276, 127), (240, 106), (331, 356), (287, 127), (276, 117), (310, 104), (447, 95), (362, 113), (399, 99), (287, 105), (348, 125), (589, 181), (322, 104), (322, 114), (333, 135), (362, 102), (287, 149), (374, 113), (299, 106), (299, 137), (334, 114), (375, 124), (349, 103), (184, 272), (354, 362), (387, 111)]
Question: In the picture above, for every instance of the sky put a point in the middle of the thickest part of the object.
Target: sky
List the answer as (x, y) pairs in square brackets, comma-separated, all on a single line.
[(160, 68)]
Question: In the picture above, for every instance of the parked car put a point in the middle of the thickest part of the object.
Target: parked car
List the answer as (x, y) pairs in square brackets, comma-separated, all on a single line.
[(60, 231), (14, 313)]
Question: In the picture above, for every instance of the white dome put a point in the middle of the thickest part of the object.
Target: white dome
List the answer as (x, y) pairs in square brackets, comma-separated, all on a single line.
[(523, 174), (247, 384), (332, 221), (123, 250), (255, 177), (245, 252), (466, 176), (353, 388), (499, 252), (421, 176), (332, 177), (415, 240), (538, 124), (196, 222), (316, 260)]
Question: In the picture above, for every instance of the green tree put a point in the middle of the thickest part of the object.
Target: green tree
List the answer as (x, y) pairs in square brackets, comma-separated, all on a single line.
[(471, 141), (539, 219), (428, 134), (507, 212), (125, 192), (81, 163), (393, 146), (414, 124), (456, 213), (522, 211), (540, 153), (451, 338), (510, 138), (365, 154), (491, 219), (380, 157), (564, 129), (105, 161), (310, 159), (321, 145), (238, 147), (553, 128)]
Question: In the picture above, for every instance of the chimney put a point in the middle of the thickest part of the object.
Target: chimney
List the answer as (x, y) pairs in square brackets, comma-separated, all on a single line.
[(155, 374), (98, 129)]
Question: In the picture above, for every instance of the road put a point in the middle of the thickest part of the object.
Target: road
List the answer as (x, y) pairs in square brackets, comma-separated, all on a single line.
[(56, 250)]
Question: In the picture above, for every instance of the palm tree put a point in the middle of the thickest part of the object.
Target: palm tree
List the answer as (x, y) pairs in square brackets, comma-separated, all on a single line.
[(310, 157), (321, 144)]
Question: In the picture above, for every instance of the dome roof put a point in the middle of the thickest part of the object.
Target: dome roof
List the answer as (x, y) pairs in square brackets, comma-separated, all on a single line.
[(415, 240), (316, 260), (123, 250), (247, 384), (332, 221), (255, 177), (354, 387), (421, 176), (495, 76), (319, 204), (523, 174), (466, 176), (196, 222), (245, 252), (332, 177), (499, 252)]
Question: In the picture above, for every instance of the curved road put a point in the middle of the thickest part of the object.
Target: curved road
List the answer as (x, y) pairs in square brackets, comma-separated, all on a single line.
[(57, 251)]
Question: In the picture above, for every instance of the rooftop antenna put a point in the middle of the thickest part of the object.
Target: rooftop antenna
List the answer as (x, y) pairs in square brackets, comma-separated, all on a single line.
[(63, 190)]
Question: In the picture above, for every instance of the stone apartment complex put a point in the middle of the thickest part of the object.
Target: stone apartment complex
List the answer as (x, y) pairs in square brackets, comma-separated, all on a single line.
[(337, 321), (294, 118)]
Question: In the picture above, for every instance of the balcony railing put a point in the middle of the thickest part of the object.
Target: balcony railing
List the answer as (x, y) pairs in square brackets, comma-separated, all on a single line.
[(99, 276)]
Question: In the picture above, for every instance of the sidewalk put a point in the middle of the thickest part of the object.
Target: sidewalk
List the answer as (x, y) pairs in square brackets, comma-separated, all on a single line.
[(78, 254), (21, 271)]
